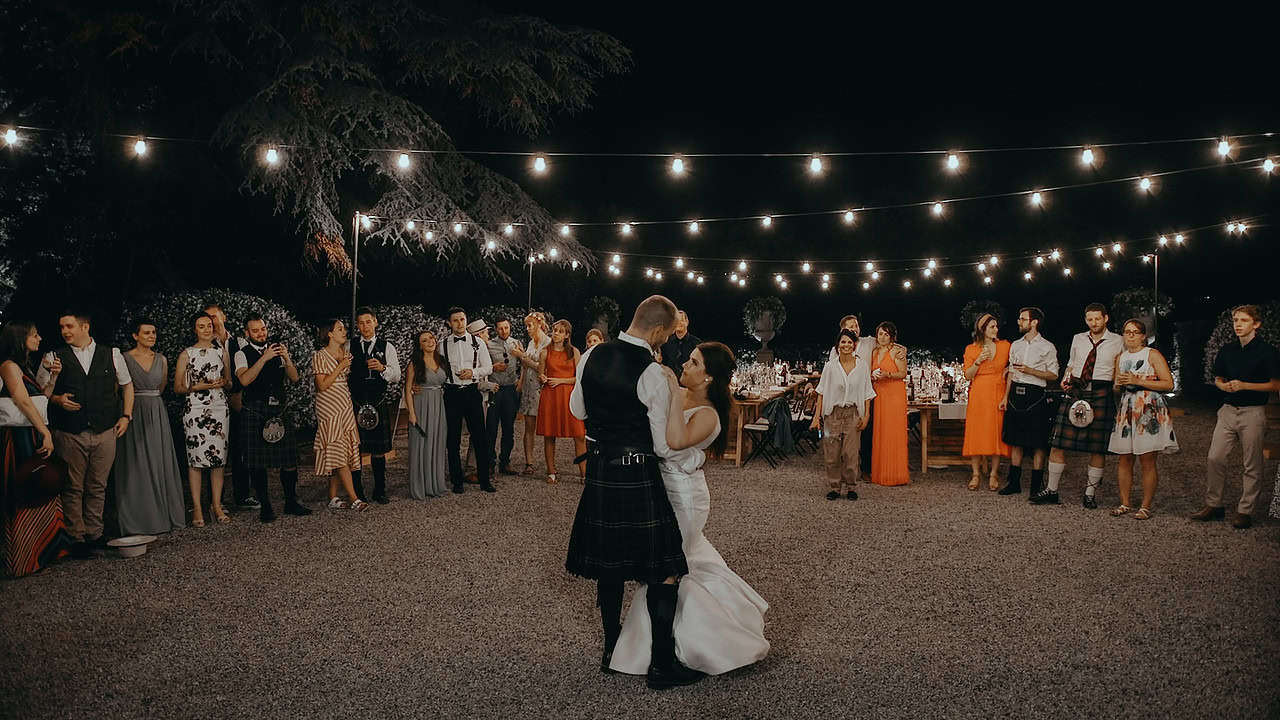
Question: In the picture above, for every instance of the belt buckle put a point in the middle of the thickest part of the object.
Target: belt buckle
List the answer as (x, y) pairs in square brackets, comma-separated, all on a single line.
[(626, 459)]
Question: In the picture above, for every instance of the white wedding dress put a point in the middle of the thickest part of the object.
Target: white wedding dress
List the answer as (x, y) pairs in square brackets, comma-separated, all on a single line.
[(719, 623)]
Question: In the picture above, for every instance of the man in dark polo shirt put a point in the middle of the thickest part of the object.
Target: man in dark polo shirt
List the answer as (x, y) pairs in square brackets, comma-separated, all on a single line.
[(1246, 372), (676, 351)]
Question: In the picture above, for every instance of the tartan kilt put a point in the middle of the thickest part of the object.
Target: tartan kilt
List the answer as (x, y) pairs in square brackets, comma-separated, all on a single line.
[(625, 528), (1094, 438), (378, 440), (258, 453)]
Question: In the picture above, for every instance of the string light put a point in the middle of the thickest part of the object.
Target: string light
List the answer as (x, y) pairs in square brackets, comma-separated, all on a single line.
[(1098, 252), (1086, 156), (1039, 259), (648, 272), (1116, 247), (403, 161), (766, 221), (554, 251), (492, 245), (1036, 199), (986, 279), (1224, 148), (617, 259), (826, 278), (1026, 276), (906, 284), (365, 222), (1163, 241), (733, 277), (564, 230), (542, 256), (815, 164), (1056, 254), (777, 278), (1267, 165), (805, 267), (140, 148), (866, 286), (1144, 184), (928, 272), (1241, 227), (946, 283), (932, 264), (993, 260), (679, 262), (11, 138), (1178, 238), (626, 228), (693, 228), (1106, 266), (783, 285), (825, 284), (677, 165), (689, 275), (574, 264), (982, 267), (539, 164), (742, 265), (848, 214), (1146, 258), (272, 156), (432, 236), (742, 282), (953, 162), (701, 279), (410, 225), (457, 228), (870, 266), (1066, 271), (937, 209), (875, 276), (509, 229), (657, 275)]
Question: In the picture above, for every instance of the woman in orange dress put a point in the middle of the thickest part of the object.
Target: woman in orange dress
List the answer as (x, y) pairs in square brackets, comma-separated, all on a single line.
[(986, 360), (889, 428), (558, 371)]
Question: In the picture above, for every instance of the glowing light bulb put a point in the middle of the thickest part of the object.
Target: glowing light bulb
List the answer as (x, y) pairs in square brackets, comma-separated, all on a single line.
[(457, 228), (870, 267), (777, 278), (403, 161), (1056, 254), (1224, 148), (1106, 266), (648, 272), (657, 275), (542, 256), (492, 244), (766, 221), (1086, 157), (11, 137), (1026, 276), (509, 229), (1241, 227), (574, 264), (689, 275), (815, 165), (140, 148), (848, 217), (947, 282), (866, 286), (805, 267), (677, 165), (1146, 258), (906, 284), (1039, 259), (953, 162), (272, 156), (1163, 240), (1116, 247), (533, 258), (928, 272), (617, 259), (982, 267), (1267, 165), (742, 265), (626, 228), (410, 225), (825, 285), (432, 236), (693, 227), (564, 230), (1144, 184), (613, 270), (1098, 252), (986, 279), (937, 209), (993, 260), (1036, 199), (1231, 227), (539, 164), (932, 264), (679, 262), (1179, 239), (1066, 271), (875, 276), (554, 252), (826, 277), (742, 282), (365, 222), (733, 277), (701, 279)]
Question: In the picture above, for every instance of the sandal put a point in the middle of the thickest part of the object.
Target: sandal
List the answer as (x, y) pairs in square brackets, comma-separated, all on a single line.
[(337, 503), (528, 469), (359, 506), (551, 478), (1122, 510), (993, 483), (1142, 514), (197, 522), (974, 482), (221, 517)]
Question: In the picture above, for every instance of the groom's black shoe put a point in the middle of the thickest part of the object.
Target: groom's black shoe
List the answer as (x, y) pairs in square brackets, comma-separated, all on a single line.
[(610, 642), (665, 671)]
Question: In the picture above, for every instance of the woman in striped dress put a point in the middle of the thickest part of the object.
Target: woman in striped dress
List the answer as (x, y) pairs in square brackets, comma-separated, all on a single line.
[(337, 444)]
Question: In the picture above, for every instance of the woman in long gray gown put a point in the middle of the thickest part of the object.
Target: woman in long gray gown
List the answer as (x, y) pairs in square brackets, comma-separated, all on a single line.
[(424, 399), (149, 491)]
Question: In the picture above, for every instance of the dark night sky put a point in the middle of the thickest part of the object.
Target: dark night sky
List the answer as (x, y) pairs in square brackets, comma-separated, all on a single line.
[(707, 80)]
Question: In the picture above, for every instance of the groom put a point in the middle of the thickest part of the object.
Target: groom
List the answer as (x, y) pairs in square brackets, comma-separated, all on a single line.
[(625, 528)]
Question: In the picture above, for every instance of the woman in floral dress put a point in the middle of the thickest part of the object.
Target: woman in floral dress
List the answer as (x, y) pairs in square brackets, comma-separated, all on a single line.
[(203, 371), (1143, 427)]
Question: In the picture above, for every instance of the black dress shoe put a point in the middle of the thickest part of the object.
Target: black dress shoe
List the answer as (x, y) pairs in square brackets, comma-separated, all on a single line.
[(852, 495), (673, 675), (380, 498), (1242, 521), (296, 508), (488, 487), (833, 495), (98, 543), (1209, 513), (1089, 501), (266, 514), (1013, 487), (457, 488), (80, 550), (249, 503), (1046, 497)]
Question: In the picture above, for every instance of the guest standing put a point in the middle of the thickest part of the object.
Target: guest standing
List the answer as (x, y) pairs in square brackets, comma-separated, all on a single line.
[(1033, 363), (862, 350), (558, 374), (203, 374), (1143, 427), (1246, 371), (531, 384), (263, 367), (376, 367), (34, 532), (424, 400), (241, 481), (841, 411), (466, 365), (90, 408), (889, 426), (505, 402), (337, 443), (678, 347), (148, 475), (594, 338), (985, 362)]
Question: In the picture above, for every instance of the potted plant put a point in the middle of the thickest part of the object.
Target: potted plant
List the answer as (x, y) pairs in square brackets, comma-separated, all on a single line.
[(764, 317)]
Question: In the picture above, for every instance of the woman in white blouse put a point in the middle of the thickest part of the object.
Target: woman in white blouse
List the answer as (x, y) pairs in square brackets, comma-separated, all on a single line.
[(843, 393)]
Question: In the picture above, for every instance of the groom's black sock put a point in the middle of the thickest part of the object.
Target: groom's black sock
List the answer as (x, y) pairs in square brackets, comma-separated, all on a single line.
[(609, 600)]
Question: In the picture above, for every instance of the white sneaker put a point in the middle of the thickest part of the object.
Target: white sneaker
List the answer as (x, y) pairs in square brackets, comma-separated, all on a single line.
[(337, 504)]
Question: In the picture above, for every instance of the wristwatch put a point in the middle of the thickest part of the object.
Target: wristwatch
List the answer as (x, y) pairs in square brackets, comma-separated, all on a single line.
[(127, 417)]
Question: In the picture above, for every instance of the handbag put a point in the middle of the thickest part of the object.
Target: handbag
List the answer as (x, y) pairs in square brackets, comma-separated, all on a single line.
[(12, 416)]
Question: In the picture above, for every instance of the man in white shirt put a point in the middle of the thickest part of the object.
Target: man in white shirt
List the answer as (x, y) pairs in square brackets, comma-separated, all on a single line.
[(625, 528), (1088, 377), (374, 366), (467, 363), (87, 416), (1033, 364)]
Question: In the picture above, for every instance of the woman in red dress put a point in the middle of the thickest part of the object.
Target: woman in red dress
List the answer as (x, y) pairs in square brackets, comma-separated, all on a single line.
[(558, 371)]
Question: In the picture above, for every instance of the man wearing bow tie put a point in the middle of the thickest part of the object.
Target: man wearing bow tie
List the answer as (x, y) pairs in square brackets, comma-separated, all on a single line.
[(467, 363), (374, 366)]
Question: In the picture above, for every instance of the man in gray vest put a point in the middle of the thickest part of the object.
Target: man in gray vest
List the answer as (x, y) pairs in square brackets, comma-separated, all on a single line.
[(87, 415)]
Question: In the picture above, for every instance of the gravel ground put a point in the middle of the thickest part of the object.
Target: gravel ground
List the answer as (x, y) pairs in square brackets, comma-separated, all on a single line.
[(919, 601)]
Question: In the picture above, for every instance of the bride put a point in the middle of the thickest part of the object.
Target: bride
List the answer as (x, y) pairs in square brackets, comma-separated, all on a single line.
[(719, 623)]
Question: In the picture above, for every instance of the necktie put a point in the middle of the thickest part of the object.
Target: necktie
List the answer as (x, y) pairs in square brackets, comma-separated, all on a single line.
[(1086, 372)]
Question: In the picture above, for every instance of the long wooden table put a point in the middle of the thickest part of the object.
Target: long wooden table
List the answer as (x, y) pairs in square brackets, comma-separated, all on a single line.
[(946, 437), (743, 412)]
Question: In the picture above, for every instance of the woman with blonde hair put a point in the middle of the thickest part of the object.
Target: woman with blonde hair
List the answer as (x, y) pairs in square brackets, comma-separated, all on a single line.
[(558, 373), (530, 384)]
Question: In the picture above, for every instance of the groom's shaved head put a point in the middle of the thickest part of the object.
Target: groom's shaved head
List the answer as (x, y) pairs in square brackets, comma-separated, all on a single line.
[(656, 311)]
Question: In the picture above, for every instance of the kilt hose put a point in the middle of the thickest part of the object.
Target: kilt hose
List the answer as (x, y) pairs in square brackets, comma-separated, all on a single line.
[(1095, 437), (625, 528)]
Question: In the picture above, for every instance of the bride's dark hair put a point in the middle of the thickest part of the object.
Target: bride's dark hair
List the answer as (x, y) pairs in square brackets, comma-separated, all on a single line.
[(720, 364)]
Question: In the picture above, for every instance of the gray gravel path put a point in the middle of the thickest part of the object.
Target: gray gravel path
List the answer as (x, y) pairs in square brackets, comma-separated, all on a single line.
[(918, 601)]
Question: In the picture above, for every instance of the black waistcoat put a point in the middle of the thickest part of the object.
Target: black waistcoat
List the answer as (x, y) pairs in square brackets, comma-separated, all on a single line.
[(270, 381), (366, 385), (98, 392), (615, 415)]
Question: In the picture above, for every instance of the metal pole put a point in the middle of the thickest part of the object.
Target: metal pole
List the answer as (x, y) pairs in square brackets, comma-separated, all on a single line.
[(355, 264), (531, 285), (1155, 300)]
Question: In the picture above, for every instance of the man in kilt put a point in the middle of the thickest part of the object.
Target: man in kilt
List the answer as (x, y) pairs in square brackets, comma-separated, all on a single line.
[(1033, 364), (262, 368), (625, 528), (374, 366), (1090, 370)]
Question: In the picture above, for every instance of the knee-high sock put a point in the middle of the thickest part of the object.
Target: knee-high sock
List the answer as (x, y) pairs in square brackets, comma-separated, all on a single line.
[(1055, 474), (258, 476), (379, 464), (1095, 477), (609, 600), (357, 483), (289, 481)]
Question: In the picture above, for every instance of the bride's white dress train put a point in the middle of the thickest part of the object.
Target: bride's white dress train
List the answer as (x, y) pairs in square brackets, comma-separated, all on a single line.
[(719, 624)]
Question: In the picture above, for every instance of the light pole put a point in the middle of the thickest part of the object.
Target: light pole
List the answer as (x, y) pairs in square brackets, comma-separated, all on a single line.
[(355, 264)]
